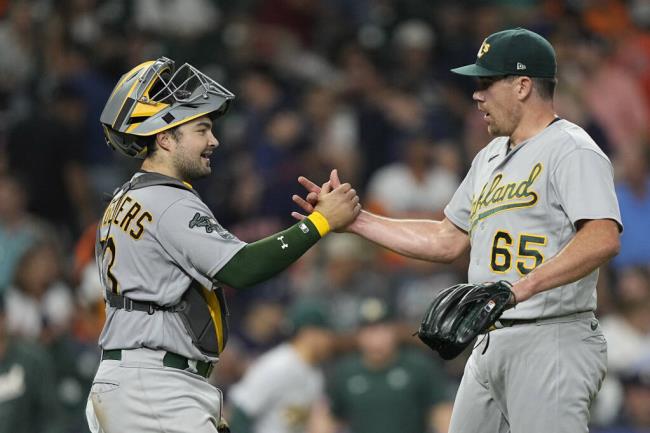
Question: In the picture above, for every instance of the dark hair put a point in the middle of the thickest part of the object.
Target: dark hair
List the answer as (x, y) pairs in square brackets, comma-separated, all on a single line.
[(40, 245), (545, 87), (150, 141)]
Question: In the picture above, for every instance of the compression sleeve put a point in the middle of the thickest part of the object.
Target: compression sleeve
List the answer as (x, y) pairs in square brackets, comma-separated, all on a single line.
[(260, 260)]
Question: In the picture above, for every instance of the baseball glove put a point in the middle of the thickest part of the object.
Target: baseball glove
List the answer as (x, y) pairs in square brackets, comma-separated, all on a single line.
[(461, 312)]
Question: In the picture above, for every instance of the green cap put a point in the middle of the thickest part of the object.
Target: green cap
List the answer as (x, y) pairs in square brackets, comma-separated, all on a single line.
[(513, 52), (308, 314), (374, 310)]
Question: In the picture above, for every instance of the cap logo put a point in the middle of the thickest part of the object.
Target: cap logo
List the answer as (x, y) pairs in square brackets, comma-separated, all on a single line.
[(521, 66), (373, 310), (485, 47)]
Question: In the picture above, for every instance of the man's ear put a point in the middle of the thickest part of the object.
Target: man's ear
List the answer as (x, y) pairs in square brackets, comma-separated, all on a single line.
[(524, 86), (164, 140)]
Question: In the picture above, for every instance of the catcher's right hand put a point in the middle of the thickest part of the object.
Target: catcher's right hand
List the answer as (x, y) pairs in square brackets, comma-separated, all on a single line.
[(461, 312)]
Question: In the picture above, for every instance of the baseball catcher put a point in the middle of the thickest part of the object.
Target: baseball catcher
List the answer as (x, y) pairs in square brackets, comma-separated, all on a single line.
[(461, 312), (163, 257)]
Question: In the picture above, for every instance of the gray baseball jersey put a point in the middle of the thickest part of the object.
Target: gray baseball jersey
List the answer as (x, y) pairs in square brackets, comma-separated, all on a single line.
[(157, 240), (520, 207), (279, 391)]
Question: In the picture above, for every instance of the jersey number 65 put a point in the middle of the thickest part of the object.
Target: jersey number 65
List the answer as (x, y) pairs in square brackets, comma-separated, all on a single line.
[(527, 256)]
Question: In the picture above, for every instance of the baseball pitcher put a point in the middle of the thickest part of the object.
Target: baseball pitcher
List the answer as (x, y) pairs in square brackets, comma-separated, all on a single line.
[(538, 212)]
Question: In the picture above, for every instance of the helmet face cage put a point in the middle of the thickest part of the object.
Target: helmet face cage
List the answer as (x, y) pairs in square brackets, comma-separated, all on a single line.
[(186, 85), (155, 96)]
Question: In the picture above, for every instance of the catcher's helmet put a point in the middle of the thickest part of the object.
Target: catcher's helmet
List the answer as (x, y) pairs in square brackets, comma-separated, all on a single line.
[(153, 97)]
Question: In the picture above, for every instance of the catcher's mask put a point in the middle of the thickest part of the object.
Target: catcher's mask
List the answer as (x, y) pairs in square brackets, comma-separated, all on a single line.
[(155, 96)]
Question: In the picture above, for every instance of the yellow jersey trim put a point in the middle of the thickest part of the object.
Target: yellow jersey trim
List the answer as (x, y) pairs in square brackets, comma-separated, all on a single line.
[(215, 312)]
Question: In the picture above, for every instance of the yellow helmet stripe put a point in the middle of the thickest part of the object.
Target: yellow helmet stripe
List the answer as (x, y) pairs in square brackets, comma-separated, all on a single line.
[(128, 74), (132, 127), (142, 67), (147, 110)]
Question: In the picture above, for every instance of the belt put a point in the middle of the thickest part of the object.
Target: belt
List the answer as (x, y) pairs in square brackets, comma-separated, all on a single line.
[(170, 359), (506, 323)]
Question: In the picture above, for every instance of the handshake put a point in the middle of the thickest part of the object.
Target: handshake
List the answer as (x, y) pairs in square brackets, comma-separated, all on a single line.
[(338, 203)]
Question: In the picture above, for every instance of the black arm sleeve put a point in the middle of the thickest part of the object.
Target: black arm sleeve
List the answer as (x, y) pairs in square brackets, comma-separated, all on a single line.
[(261, 260)]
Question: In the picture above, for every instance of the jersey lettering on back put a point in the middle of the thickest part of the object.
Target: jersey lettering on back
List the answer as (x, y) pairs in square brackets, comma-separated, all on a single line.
[(128, 214)]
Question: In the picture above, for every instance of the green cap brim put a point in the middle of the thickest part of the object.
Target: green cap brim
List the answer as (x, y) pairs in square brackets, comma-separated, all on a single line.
[(476, 71)]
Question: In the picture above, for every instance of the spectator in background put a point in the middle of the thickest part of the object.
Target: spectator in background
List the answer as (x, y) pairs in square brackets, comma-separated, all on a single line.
[(413, 42), (27, 401), (188, 20), (39, 303), (414, 187), (628, 331), (633, 53), (385, 388), (608, 18), (413, 45), (92, 88), (364, 88), (262, 96), (18, 228), (611, 94), (279, 156), (635, 413), (18, 62), (332, 125), (274, 135), (55, 179), (570, 98), (279, 392), (260, 326), (347, 273), (294, 17), (633, 192)]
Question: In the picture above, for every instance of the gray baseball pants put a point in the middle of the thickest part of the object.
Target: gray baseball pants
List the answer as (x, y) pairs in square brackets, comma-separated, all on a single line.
[(533, 378), (139, 394)]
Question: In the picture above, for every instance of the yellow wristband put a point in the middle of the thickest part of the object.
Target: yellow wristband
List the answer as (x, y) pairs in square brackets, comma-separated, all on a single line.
[(320, 222)]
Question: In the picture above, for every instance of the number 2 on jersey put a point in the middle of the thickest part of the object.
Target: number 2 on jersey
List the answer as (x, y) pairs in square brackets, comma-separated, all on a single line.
[(527, 257)]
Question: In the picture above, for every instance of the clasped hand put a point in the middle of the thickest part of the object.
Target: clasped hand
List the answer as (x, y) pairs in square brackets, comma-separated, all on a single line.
[(337, 202)]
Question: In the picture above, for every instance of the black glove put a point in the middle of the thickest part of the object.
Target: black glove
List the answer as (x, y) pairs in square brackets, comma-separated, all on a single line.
[(461, 312)]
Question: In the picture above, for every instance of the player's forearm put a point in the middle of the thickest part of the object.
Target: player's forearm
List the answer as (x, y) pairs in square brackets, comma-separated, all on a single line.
[(261, 260), (436, 241), (594, 244)]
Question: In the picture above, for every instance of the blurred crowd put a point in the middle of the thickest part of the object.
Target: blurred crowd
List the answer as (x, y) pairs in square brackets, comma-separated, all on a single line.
[(359, 85)]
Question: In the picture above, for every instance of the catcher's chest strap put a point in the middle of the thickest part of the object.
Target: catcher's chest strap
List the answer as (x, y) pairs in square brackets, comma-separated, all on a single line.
[(147, 179), (123, 303)]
